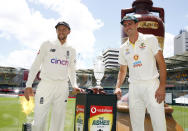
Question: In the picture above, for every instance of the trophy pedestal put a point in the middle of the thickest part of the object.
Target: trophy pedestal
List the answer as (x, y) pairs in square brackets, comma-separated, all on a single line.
[(95, 112), (124, 122)]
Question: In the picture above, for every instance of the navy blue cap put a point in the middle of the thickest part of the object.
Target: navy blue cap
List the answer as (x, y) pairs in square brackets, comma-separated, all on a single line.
[(63, 23)]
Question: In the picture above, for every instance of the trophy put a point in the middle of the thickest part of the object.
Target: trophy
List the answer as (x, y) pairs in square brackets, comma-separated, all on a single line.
[(99, 69), (96, 110)]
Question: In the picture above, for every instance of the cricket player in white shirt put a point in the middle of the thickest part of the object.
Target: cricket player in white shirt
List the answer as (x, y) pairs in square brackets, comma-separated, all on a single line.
[(140, 54), (56, 61)]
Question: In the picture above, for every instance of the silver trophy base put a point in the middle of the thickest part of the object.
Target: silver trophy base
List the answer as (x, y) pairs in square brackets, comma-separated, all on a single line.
[(98, 87), (26, 127)]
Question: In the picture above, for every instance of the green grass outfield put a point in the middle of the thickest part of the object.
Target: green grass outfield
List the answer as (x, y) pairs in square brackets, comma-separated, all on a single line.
[(12, 117), (180, 114)]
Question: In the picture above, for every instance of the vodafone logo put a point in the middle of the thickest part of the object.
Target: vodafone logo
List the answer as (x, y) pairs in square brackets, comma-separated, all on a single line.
[(93, 110), (99, 110)]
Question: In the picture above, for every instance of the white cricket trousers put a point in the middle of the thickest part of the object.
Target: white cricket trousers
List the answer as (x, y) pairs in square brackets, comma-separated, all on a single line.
[(50, 95), (142, 96)]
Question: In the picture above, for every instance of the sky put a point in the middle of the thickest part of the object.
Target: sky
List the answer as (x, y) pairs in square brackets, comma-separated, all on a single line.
[(26, 24)]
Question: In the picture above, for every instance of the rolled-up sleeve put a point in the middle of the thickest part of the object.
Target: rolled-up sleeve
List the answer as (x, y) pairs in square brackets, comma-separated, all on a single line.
[(154, 44)]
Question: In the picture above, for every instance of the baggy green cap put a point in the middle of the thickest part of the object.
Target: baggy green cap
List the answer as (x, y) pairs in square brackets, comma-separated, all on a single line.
[(129, 17)]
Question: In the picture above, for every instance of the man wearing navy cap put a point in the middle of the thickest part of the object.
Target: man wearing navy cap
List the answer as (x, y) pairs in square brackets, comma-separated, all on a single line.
[(56, 61), (140, 53)]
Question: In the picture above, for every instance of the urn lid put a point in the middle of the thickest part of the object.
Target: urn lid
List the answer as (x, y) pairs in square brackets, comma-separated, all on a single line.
[(149, 2)]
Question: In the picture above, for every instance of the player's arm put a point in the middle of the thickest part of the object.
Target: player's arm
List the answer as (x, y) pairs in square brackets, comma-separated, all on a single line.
[(72, 72), (33, 72), (156, 50), (120, 79), (160, 93), (122, 72)]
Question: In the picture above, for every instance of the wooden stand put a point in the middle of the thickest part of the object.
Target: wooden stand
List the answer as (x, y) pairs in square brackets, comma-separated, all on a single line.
[(124, 124)]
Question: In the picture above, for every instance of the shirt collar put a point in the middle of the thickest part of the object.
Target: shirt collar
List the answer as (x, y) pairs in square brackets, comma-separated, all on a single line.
[(57, 42), (139, 40)]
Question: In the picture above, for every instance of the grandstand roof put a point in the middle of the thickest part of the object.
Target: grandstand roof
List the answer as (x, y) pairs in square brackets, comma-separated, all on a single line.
[(177, 62), (174, 63), (90, 71), (7, 70)]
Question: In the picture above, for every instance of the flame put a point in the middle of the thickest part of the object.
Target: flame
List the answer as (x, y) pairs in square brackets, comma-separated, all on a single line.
[(27, 106)]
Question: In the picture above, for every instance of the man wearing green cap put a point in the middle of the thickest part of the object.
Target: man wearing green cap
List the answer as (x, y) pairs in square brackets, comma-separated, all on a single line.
[(140, 53)]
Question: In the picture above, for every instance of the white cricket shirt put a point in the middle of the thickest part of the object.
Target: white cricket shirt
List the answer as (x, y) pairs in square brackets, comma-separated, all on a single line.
[(56, 62), (140, 58)]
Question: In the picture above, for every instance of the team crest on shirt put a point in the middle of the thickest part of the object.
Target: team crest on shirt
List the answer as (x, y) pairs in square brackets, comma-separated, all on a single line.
[(142, 46), (136, 57), (127, 51), (67, 54)]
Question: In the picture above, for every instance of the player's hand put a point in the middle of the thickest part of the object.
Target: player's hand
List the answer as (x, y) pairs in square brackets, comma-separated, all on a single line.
[(28, 92), (78, 90), (118, 93), (160, 94)]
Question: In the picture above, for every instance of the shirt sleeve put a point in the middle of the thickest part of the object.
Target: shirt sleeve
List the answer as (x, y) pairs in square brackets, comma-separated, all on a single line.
[(36, 66), (72, 69), (121, 58), (154, 44)]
